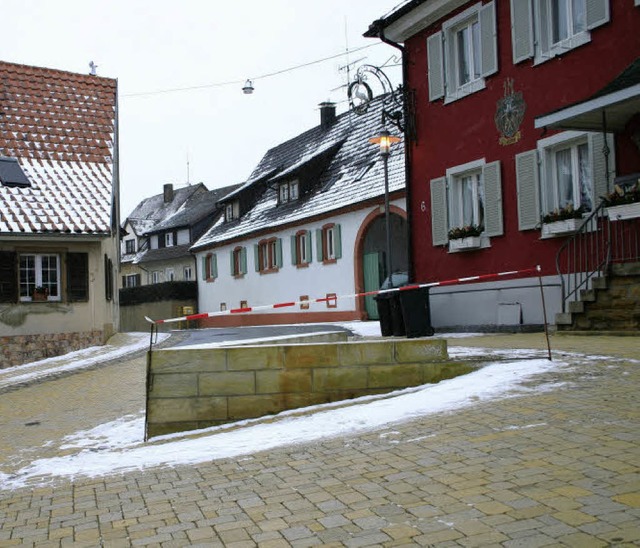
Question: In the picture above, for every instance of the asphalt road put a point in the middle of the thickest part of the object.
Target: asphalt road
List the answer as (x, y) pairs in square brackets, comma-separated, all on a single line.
[(224, 334)]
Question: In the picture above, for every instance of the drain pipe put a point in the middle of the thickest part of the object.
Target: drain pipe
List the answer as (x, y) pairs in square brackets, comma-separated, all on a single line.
[(378, 29)]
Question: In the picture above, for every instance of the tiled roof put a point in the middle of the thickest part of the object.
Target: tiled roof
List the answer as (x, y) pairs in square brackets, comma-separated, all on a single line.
[(353, 174), (60, 126)]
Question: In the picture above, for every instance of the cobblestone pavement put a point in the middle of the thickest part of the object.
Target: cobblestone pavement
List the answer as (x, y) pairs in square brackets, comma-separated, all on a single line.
[(558, 465)]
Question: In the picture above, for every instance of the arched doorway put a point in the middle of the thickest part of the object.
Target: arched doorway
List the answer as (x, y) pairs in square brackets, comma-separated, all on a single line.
[(374, 249)]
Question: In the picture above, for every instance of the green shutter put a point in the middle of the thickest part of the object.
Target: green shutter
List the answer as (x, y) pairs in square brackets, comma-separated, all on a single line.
[(319, 247), (435, 68), (294, 251), (256, 257), (232, 263), (279, 252), (204, 267), (488, 39), (243, 260), (528, 190), (542, 26), (307, 243), (439, 221), (599, 167), (597, 13), (337, 241), (493, 223), (521, 29), (8, 277), (214, 265)]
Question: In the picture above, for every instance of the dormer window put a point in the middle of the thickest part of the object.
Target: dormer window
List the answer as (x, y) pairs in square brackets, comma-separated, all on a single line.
[(11, 173), (168, 239), (232, 211), (288, 192)]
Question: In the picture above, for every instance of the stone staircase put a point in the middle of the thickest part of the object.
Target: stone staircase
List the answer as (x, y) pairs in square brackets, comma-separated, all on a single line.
[(612, 303)]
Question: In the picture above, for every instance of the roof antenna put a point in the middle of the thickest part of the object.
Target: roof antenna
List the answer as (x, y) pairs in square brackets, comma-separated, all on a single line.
[(94, 68), (188, 182)]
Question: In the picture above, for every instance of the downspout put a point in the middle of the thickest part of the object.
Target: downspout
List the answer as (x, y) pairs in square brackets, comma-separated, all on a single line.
[(407, 144)]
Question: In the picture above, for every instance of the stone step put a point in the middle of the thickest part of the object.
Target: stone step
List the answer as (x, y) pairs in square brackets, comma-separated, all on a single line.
[(588, 295), (564, 318), (599, 283), (576, 307)]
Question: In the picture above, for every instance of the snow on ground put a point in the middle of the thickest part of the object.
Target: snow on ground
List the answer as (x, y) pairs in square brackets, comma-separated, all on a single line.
[(118, 446), (118, 346)]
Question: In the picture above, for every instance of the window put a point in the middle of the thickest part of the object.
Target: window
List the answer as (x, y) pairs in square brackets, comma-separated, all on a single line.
[(238, 261), (301, 248), (268, 255), (329, 243), (155, 277), (209, 267), (232, 211), (288, 192), (566, 169), (187, 273), (463, 53), (171, 275), (543, 29), (131, 280), (469, 194), (130, 246), (223, 307), (168, 239), (304, 302), (39, 273), (11, 173)]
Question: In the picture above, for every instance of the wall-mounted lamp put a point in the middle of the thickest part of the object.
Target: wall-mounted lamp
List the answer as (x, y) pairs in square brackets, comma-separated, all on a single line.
[(248, 87)]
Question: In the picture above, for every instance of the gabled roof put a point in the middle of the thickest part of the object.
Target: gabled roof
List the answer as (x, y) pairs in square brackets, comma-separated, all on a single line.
[(353, 173), (60, 127)]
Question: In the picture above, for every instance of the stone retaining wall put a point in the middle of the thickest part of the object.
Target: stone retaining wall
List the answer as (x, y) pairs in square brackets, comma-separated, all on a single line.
[(191, 389), (20, 349)]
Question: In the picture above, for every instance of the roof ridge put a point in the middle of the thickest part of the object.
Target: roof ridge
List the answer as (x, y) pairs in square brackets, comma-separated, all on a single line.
[(32, 68)]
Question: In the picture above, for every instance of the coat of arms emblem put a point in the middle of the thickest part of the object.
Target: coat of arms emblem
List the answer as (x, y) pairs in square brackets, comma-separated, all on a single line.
[(509, 114)]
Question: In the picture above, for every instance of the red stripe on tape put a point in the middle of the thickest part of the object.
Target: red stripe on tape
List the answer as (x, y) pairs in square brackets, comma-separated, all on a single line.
[(284, 305), (240, 310)]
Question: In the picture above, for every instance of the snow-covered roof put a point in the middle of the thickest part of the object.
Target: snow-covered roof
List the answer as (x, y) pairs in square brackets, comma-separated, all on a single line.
[(353, 173), (60, 127)]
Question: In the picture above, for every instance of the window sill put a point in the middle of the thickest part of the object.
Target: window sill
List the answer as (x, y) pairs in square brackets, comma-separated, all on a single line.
[(464, 91), (563, 47), (329, 261), (270, 271), (470, 243), (208, 280), (302, 265), (238, 276)]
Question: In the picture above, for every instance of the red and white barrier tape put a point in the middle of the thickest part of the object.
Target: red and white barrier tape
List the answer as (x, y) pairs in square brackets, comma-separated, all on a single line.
[(456, 281)]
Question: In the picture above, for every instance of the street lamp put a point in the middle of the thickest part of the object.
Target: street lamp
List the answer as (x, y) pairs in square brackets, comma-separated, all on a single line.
[(385, 140)]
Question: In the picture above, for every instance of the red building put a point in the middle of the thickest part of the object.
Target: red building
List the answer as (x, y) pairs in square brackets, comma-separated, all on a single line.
[(512, 102)]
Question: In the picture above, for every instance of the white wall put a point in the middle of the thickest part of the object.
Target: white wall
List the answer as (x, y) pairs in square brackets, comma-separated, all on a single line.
[(290, 282)]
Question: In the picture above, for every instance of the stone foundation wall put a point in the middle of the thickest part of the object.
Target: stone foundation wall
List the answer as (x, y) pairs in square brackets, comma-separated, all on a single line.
[(21, 349), (191, 389)]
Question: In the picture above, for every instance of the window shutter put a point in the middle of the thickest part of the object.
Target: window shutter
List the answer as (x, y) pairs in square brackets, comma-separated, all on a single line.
[(124, 281), (522, 29), (597, 13), (8, 277), (279, 252), (493, 222), (599, 167), (232, 265), (214, 265), (435, 69), (527, 184), (307, 243), (108, 278), (161, 241), (204, 267), (243, 260), (319, 244), (439, 222), (138, 280), (337, 241), (542, 28), (488, 39), (294, 250)]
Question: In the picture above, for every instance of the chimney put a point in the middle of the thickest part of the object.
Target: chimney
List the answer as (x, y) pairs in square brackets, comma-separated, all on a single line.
[(168, 193), (327, 114)]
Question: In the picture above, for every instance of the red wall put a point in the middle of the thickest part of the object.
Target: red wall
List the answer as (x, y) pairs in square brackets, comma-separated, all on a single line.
[(464, 130)]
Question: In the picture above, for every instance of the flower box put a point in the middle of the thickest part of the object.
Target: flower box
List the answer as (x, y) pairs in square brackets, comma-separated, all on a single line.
[(464, 244), (624, 212), (560, 228), (40, 296)]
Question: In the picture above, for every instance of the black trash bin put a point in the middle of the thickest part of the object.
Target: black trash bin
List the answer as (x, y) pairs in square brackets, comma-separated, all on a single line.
[(416, 313), (390, 314)]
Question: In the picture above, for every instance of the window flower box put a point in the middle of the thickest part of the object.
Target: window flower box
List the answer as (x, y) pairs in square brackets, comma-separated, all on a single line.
[(624, 212), (464, 244), (560, 228), (40, 294)]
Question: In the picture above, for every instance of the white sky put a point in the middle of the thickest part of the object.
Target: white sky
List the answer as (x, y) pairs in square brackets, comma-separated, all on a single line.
[(154, 45)]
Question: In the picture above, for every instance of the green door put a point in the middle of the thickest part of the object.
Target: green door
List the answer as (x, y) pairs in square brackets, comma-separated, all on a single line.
[(372, 282)]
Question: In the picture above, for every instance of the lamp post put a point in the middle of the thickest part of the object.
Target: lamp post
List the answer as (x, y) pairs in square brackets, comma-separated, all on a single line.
[(385, 140)]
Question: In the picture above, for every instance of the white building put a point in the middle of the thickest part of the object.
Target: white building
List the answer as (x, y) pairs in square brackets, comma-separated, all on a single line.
[(308, 225)]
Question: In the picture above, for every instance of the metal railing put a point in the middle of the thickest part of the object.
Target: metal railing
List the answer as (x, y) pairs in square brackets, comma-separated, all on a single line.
[(590, 252)]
